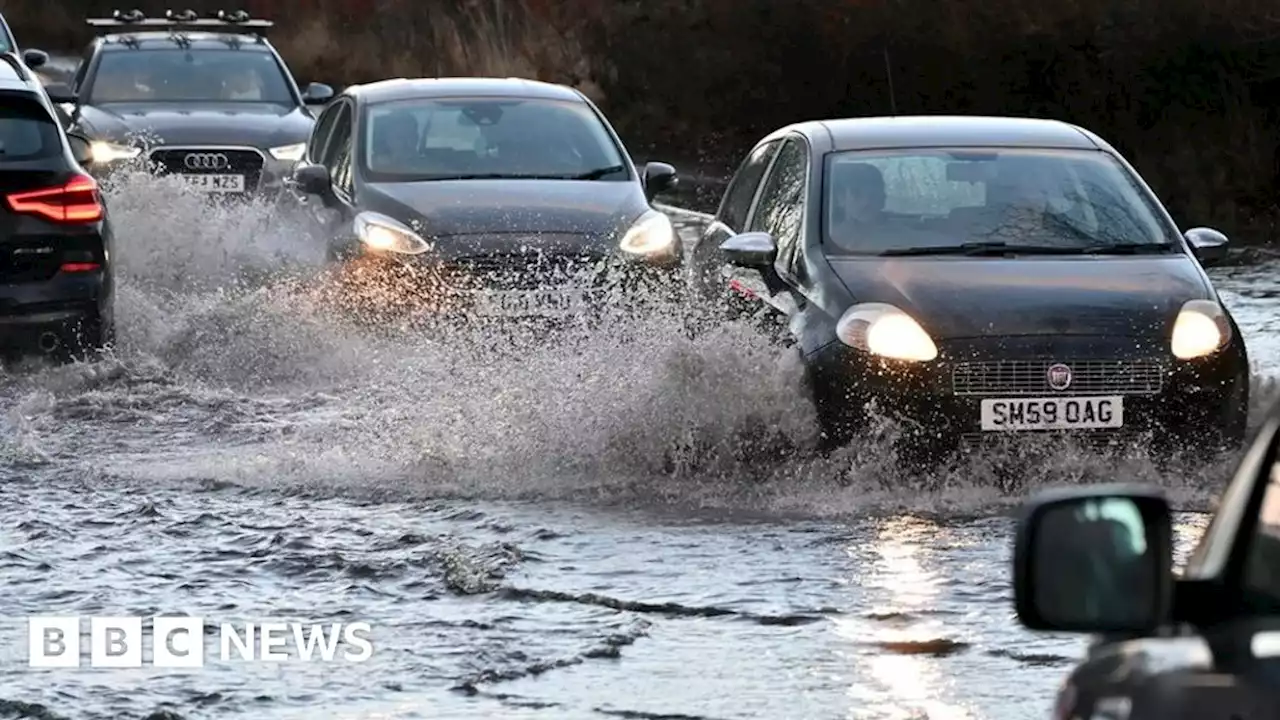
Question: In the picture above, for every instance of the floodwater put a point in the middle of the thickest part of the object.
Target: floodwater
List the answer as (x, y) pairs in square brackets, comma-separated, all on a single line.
[(627, 524)]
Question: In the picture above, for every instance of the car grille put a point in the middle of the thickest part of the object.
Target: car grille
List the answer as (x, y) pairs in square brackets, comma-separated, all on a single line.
[(245, 162), (527, 272), (1031, 377)]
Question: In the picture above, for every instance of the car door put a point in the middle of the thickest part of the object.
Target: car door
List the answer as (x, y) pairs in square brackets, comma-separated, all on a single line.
[(711, 274), (780, 211)]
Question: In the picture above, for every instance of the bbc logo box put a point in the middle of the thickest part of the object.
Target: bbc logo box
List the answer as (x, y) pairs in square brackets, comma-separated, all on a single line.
[(56, 642)]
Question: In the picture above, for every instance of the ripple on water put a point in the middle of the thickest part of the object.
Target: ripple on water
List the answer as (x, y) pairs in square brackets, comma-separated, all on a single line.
[(612, 524)]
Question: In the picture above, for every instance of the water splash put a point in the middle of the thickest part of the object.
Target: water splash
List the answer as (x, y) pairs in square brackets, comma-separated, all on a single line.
[(233, 366)]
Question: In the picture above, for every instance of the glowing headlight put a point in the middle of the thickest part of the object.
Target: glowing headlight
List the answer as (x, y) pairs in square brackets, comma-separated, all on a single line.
[(290, 153), (651, 236), (105, 152), (1201, 329), (386, 234), (882, 329)]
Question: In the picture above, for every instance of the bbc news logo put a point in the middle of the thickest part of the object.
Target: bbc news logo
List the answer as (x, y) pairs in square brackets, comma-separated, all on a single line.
[(180, 641)]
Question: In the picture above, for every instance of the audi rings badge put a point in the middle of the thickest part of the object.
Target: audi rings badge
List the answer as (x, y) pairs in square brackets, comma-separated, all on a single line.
[(206, 161)]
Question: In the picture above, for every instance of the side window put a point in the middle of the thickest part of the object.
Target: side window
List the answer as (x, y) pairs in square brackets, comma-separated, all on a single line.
[(1262, 563), (742, 188), (321, 132), (781, 209), (339, 139)]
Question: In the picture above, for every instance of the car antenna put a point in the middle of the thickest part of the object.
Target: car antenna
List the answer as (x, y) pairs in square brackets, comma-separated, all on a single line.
[(888, 73)]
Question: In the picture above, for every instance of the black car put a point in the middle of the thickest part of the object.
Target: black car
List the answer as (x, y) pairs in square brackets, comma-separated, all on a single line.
[(208, 99), (31, 57), (481, 193), (56, 284), (1200, 644), (982, 277)]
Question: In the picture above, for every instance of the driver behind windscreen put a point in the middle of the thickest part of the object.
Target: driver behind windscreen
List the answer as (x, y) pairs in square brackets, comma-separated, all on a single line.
[(395, 140)]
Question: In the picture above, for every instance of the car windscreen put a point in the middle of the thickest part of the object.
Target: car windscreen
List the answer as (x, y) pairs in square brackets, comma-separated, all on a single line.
[(27, 131), (894, 201), (184, 76), (462, 138)]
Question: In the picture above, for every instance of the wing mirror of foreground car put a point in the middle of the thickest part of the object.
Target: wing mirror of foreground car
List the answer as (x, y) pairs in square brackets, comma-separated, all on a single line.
[(1094, 560), (317, 94), (750, 250), (659, 178), (81, 148), (60, 93), (1209, 245), (312, 179)]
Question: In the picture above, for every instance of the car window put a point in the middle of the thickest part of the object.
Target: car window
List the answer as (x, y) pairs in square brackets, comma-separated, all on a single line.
[(181, 75), (27, 131), (781, 209), (322, 131), (338, 149), (427, 139), (890, 200), (1262, 561), (742, 188)]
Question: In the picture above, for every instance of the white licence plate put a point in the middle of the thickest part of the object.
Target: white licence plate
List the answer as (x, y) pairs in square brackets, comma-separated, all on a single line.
[(519, 303), (216, 183), (1079, 413)]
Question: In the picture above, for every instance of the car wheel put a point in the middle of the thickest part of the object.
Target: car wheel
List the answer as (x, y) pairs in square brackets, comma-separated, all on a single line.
[(89, 339)]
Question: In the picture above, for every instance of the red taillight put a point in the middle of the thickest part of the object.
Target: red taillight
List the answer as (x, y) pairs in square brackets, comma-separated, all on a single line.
[(73, 267), (77, 201)]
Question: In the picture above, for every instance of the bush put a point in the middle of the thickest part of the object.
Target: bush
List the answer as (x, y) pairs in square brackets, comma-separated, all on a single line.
[(1187, 89)]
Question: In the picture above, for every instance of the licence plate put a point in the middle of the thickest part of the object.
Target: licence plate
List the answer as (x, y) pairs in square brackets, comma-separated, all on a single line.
[(1082, 413), (216, 183), (517, 303)]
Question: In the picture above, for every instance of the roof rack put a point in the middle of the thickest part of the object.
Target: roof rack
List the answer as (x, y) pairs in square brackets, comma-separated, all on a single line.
[(15, 62), (183, 20)]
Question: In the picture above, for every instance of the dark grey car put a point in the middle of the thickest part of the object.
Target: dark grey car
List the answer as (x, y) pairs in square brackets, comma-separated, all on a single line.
[(981, 278), (1202, 644), (208, 99)]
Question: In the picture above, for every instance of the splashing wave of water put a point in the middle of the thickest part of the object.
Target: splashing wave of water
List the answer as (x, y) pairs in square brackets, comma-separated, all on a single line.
[(232, 366)]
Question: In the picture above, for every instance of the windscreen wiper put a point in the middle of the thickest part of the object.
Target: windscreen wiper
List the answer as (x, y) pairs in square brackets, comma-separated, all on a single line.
[(599, 173), (983, 248), (1004, 248)]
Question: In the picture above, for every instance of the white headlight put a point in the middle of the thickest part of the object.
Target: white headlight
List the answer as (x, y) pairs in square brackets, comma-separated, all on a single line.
[(1201, 329), (652, 235), (105, 152), (288, 152), (882, 329), (387, 234)]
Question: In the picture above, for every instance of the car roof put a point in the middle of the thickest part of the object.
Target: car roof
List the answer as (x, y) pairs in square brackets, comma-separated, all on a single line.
[(193, 40), (907, 131), (427, 88)]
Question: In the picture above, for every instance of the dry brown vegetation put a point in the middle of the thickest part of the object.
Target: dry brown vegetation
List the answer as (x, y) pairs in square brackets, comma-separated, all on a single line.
[(1188, 89)]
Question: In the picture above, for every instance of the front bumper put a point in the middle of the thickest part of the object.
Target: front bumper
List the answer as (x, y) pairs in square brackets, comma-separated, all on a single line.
[(261, 175), (1149, 393), (498, 289)]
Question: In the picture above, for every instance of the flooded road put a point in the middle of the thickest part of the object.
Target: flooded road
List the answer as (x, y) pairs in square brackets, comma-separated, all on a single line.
[(617, 525)]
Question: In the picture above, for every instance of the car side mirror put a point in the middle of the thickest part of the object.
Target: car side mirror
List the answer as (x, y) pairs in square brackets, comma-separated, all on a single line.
[(1094, 560), (659, 178), (317, 94), (750, 250), (1209, 245), (81, 148), (313, 179), (60, 92), (33, 58)]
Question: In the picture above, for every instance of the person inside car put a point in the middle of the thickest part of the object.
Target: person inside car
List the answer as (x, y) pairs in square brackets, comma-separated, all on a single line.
[(858, 193), (394, 143)]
